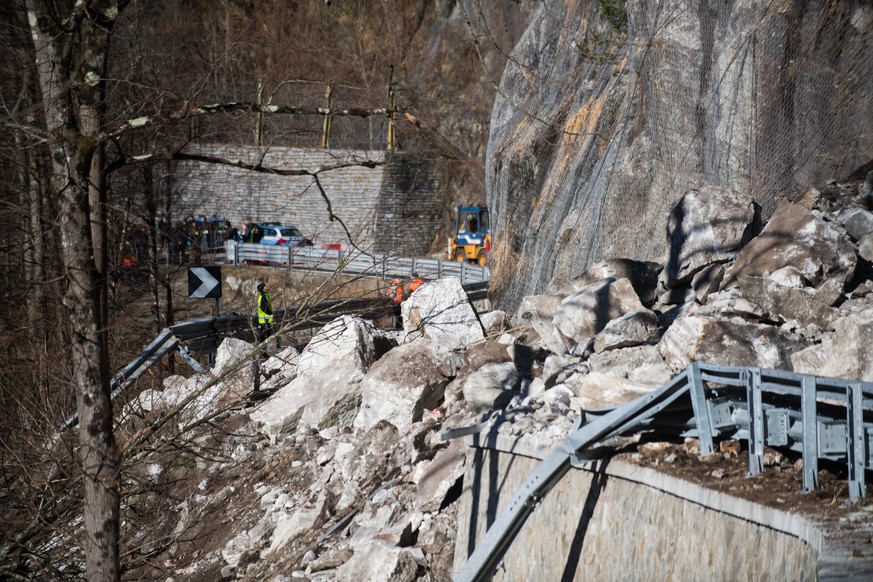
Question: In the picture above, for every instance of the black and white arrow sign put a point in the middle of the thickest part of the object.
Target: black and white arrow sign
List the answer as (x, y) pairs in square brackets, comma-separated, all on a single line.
[(204, 282)]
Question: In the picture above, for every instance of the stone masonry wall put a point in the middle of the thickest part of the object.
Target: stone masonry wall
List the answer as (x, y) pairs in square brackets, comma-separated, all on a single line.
[(375, 204), (407, 216), (597, 525)]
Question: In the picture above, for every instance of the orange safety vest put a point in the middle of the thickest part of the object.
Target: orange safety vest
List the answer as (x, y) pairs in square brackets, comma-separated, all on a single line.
[(415, 284), (396, 291)]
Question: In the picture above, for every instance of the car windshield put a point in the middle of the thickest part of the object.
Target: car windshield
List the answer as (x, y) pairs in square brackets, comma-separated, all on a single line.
[(288, 232)]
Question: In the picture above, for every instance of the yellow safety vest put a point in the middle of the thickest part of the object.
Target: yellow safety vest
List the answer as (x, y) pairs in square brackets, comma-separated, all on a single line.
[(265, 310)]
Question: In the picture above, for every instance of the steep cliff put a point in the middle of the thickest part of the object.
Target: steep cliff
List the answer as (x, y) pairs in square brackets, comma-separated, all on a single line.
[(609, 111)]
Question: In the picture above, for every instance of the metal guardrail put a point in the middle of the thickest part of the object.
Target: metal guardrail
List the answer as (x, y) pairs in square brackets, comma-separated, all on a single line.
[(204, 335), (352, 261), (823, 418)]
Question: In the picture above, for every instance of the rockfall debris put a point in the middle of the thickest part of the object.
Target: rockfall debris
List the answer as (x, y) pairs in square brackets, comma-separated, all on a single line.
[(341, 473)]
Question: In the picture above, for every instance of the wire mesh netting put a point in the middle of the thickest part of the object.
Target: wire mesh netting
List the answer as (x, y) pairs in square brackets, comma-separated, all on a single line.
[(610, 111)]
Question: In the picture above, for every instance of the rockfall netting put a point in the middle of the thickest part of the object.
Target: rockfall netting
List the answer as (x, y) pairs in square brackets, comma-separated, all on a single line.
[(609, 111)]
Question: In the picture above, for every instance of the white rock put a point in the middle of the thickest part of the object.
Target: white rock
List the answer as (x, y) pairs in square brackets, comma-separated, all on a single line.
[(843, 353), (400, 387), (705, 226), (631, 329), (493, 322), (229, 353), (538, 311), (326, 391), (583, 314), (290, 527), (440, 309), (440, 475), (490, 386), (377, 561)]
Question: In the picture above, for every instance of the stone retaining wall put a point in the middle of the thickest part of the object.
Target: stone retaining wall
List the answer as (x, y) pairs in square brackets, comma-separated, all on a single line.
[(388, 208), (615, 521)]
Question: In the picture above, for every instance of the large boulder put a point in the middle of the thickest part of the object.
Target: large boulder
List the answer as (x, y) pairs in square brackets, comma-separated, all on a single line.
[(538, 312), (378, 561), (643, 276), (641, 365), (400, 386), (491, 386), (229, 355), (857, 222), (441, 311), (585, 313), (795, 237), (705, 226), (733, 342), (599, 390), (618, 376), (631, 329), (327, 389), (439, 475), (844, 353), (789, 303)]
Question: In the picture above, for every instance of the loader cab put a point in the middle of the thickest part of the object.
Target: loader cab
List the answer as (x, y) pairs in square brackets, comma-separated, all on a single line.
[(473, 222), (472, 240)]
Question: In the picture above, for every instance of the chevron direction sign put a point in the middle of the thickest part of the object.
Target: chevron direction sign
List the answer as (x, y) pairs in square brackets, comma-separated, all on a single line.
[(204, 282)]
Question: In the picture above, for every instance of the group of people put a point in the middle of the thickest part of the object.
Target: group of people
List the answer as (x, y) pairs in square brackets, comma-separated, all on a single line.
[(189, 239), (397, 290)]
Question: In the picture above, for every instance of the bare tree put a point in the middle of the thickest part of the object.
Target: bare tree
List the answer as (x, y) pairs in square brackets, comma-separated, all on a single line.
[(71, 46)]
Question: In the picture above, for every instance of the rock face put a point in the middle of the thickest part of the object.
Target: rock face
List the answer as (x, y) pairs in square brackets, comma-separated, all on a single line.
[(630, 109)]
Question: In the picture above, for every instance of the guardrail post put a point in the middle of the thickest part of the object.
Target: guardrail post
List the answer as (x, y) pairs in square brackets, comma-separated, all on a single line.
[(290, 257), (756, 422), (810, 433), (701, 409), (855, 446), (464, 273), (439, 268)]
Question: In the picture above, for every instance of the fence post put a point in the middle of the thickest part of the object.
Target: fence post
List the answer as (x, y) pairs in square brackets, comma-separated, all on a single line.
[(391, 138), (328, 103), (259, 116)]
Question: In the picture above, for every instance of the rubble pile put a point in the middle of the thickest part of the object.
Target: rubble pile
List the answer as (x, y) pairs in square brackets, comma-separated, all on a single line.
[(343, 471)]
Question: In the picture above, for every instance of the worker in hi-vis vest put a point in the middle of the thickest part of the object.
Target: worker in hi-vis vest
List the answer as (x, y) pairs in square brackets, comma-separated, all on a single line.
[(265, 313)]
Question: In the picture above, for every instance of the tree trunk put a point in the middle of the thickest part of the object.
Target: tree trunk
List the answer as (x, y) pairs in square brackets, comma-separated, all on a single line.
[(71, 60)]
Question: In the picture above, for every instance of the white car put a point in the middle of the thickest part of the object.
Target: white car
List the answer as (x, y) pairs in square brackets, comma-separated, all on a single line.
[(286, 236)]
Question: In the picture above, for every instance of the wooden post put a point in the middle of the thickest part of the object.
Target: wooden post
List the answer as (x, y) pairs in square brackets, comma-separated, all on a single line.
[(325, 130), (259, 116), (391, 137)]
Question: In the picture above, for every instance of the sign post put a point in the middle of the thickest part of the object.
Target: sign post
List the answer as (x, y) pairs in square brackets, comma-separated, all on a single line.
[(205, 283)]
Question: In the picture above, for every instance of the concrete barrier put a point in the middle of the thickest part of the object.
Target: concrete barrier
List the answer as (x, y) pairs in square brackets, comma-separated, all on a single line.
[(611, 520)]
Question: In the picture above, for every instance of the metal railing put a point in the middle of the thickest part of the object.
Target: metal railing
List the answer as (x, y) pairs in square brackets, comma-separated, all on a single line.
[(822, 418), (352, 262), (204, 335)]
